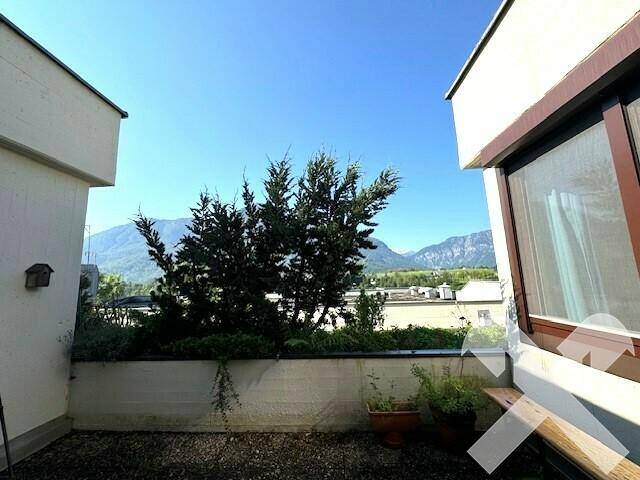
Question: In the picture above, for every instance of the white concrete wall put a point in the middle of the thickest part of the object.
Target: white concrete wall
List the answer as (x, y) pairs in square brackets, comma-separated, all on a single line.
[(498, 232), (439, 314), (42, 213), (52, 116), (57, 138), (612, 400), (285, 395), (480, 290), (537, 43)]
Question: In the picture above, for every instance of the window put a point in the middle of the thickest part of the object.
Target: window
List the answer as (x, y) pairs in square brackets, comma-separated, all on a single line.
[(575, 250), (484, 318), (633, 114)]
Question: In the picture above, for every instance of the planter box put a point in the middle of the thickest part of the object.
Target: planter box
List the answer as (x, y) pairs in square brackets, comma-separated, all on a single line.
[(275, 395), (406, 418)]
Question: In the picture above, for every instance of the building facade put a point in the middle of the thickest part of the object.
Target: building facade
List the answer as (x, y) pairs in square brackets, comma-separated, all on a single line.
[(58, 138), (548, 106)]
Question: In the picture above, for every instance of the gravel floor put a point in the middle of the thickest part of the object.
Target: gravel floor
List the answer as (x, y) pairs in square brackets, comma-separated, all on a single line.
[(106, 455)]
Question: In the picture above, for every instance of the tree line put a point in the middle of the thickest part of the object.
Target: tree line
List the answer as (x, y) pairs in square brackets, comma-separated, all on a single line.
[(457, 278)]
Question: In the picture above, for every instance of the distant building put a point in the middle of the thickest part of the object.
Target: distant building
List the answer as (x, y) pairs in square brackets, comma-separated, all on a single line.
[(430, 293), (481, 305), (480, 291), (445, 291)]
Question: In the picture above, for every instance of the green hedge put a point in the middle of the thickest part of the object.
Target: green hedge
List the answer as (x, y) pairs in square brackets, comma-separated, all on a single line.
[(106, 343), (227, 346), (127, 343)]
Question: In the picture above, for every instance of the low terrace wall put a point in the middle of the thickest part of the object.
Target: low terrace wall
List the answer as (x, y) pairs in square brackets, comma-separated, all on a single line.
[(324, 394)]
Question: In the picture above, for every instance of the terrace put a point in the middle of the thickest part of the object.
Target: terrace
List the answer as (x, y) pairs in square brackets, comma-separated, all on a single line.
[(314, 456), (253, 365)]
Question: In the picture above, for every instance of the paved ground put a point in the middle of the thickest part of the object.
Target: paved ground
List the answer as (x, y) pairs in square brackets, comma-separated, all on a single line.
[(103, 455)]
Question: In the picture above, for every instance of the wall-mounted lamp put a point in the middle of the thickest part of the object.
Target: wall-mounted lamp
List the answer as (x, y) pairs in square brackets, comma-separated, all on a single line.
[(38, 275)]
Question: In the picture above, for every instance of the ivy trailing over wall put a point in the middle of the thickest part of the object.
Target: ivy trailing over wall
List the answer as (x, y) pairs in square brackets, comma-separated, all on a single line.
[(224, 393)]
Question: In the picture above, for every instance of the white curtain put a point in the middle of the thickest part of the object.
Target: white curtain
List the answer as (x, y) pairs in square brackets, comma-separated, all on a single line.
[(580, 280)]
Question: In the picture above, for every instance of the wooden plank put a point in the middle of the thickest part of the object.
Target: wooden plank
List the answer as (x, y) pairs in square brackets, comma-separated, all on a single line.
[(569, 441)]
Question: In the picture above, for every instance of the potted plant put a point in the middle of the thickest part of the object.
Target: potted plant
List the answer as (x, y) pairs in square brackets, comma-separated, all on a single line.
[(391, 417), (453, 402)]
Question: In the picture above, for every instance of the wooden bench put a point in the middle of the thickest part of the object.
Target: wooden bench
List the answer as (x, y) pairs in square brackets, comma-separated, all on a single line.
[(570, 442)]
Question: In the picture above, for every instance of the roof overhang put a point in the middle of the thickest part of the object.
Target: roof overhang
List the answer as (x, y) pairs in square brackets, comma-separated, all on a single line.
[(55, 59), (477, 50)]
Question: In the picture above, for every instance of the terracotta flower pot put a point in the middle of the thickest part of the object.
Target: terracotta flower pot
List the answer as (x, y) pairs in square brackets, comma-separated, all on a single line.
[(405, 418), (456, 432)]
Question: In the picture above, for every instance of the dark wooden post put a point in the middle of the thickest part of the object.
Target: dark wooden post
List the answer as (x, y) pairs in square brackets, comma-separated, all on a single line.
[(5, 439)]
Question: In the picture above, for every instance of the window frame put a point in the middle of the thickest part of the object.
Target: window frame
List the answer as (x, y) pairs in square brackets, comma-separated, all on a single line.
[(611, 109)]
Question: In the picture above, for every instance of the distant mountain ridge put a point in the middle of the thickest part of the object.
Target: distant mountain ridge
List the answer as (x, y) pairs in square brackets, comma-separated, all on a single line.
[(473, 250), (122, 250), (383, 258)]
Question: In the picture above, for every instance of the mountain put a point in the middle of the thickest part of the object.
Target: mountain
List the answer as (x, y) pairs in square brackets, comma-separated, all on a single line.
[(122, 250), (472, 250), (383, 258)]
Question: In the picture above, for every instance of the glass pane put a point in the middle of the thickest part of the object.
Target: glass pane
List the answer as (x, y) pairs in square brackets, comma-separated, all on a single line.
[(633, 113), (572, 233)]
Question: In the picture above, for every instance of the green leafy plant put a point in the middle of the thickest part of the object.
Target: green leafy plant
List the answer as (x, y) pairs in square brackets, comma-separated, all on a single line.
[(222, 348), (110, 287), (84, 297), (487, 337), (224, 393), (143, 340), (352, 340), (226, 346), (452, 395), (368, 312), (104, 343), (379, 402)]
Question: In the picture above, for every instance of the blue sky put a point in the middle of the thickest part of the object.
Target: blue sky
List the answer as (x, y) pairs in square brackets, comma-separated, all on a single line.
[(214, 87)]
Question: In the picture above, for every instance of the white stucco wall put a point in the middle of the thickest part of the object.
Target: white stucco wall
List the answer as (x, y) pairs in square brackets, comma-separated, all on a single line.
[(57, 137), (498, 234), (537, 43), (42, 213), (50, 114), (284, 395)]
